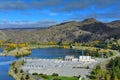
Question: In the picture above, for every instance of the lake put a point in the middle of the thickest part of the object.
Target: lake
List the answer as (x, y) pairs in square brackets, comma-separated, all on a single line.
[(48, 53)]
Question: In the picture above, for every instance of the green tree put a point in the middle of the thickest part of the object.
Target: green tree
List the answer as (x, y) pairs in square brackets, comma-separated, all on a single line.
[(16, 71), (115, 78), (22, 78), (27, 77), (107, 77), (21, 71)]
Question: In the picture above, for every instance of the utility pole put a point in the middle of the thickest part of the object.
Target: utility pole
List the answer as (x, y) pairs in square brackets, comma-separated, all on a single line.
[(102, 53), (82, 51)]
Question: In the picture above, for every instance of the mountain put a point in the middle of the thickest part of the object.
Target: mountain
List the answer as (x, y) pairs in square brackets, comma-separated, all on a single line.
[(115, 23), (89, 20), (26, 28), (84, 31)]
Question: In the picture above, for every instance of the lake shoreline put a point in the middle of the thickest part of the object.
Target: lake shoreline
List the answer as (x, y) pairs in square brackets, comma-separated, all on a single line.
[(74, 48), (25, 51), (17, 73)]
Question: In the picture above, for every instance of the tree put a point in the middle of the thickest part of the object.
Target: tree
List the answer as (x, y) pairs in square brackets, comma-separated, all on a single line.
[(98, 67), (115, 78), (60, 42), (83, 78), (27, 77), (23, 62), (55, 74), (16, 71), (113, 68), (107, 77), (21, 71), (34, 73), (22, 78), (56, 79)]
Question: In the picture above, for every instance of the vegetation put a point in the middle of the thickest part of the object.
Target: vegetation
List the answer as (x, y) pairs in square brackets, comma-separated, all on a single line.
[(97, 36), (94, 52), (112, 71), (108, 44), (15, 49), (85, 67), (114, 68), (17, 73), (54, 76), (85, 31), (11, 46), (88, 49), (97, 73)]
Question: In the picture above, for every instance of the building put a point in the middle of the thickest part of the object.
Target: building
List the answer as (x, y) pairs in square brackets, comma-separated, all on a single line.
[(70, 58), (86, 58), (81, 58)]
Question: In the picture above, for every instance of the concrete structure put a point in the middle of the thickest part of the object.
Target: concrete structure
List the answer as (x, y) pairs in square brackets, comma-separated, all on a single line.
[(70, 58), (81, 58), (70, 66), (61, 67), (86, 58)]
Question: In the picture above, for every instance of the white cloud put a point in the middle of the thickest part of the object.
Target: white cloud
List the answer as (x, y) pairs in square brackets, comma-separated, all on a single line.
[(27, 24)]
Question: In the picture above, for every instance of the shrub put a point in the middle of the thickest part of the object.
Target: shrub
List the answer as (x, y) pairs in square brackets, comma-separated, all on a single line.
[(44, 76), (56, 79), (21, 71), (27, 77), (34, 73), (87, 67), (55, 74)]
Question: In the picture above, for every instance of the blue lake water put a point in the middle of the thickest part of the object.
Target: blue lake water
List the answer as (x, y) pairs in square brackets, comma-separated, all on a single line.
[(48, 53), (4, 67)]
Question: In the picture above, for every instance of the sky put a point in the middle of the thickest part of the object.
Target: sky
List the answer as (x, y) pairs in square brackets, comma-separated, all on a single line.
[(43, 13)]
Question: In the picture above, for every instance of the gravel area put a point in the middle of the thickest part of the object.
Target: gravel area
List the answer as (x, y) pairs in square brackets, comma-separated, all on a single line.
[(61, 67)]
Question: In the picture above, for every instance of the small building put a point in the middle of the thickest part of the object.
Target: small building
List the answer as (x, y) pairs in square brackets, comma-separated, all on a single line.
[(81, 58), (86, 58), (70, 58)]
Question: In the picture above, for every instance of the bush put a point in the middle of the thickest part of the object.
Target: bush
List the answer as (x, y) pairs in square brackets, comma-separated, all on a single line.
[(56, 79), (21, 71), (34, 73), (87, 67), (22, 78), (44, 76), (16, 71), (27, 77), (55, 74)]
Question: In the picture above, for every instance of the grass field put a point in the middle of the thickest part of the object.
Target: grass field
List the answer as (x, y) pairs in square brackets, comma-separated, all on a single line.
[(51, 77)]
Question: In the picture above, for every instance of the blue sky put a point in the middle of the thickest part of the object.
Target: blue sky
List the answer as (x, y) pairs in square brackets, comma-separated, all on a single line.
[(43, 13)]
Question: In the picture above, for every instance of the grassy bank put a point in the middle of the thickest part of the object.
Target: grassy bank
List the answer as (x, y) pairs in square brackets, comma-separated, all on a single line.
[(91, 51), (111, 71), (47, 46), (18, 52), (54, 76), (17, 73)]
